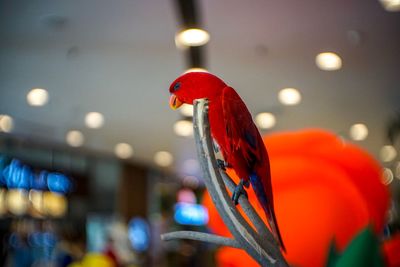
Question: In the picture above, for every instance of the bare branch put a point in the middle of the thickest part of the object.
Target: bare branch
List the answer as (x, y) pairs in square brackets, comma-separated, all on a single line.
[(215, 239), (259, 243)]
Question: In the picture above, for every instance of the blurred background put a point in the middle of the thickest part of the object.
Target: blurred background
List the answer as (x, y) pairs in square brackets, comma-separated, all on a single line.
[(92, 160)]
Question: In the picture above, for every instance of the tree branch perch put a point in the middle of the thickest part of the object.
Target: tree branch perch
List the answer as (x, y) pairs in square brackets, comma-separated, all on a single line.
[(259, 243), (215, 239)]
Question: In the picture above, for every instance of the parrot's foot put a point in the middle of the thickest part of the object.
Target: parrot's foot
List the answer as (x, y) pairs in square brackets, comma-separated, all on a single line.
[(239, 190), (222, 164)]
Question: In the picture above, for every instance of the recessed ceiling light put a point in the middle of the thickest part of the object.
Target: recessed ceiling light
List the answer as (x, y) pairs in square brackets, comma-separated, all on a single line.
[(387, 176), (94, 120), (192, 37), (387, 153), (75, 138), (265, 120), (123, 150), (289, 96), (186, 110), (196, 70), (37, 97), (163, 158), (183, 128), (6, 123), (391, 5), (328, 61), (358, 131)]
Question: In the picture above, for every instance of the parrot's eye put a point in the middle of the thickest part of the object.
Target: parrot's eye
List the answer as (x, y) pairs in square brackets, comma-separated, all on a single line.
[(177, 86)]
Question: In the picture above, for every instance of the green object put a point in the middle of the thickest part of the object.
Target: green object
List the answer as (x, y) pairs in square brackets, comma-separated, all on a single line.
[(333, 255), (363, 251)]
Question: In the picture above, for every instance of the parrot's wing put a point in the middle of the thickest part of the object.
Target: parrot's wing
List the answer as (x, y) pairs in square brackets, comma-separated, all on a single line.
[(242, 135), (241, 132)]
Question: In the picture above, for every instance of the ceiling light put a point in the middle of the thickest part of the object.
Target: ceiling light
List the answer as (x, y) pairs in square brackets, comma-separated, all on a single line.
[(6, 123), (289, 96), (186, 110), (328, 61), (265, 120), (123, 150), (196, 70), (163, 158), (94, 120), (192, 37), (387, 153), (37, 97), (75, 138), (387, 176), (358, 132), (183, 128), (391, 5)]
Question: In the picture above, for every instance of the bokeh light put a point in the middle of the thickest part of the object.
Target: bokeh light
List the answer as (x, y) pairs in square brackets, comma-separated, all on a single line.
[(6, 123), (123, 150), (192, 37), (186, 110), (196, 70), (391, 5), (387, 153), (94, 120), (54, 204), (265, 120), (37, 97), (358, 132), (328, 61), (183, 128), (163, 158), (75, 138), (387, 176), (289, 96), (17, 201)]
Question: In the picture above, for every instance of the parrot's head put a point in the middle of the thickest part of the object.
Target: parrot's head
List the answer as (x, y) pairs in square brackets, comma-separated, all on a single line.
[(194, 85)]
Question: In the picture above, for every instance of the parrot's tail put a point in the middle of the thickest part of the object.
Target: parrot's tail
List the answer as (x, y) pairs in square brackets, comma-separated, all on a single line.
[(267, 206)]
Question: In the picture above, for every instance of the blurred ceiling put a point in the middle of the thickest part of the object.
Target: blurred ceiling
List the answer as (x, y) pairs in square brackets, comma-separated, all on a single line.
[(119, 57)]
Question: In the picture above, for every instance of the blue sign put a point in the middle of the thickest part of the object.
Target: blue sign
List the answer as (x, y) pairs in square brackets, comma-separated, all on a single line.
[(139, 234), (191, 214)]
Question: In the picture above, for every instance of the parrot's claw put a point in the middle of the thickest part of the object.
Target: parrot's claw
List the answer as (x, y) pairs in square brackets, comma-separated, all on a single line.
[(239, 190), (222, 164)]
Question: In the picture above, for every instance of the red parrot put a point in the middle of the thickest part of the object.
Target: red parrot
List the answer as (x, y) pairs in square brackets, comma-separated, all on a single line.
[(234, 131)]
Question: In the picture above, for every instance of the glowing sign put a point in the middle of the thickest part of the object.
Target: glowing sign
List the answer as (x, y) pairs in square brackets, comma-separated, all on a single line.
[(191, 214), (139, 234)]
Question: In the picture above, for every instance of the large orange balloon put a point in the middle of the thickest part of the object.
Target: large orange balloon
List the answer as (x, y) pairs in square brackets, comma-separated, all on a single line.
[(324, 189)]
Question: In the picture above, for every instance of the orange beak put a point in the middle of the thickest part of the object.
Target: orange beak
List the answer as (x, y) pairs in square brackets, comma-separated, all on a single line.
[(174, 102)]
